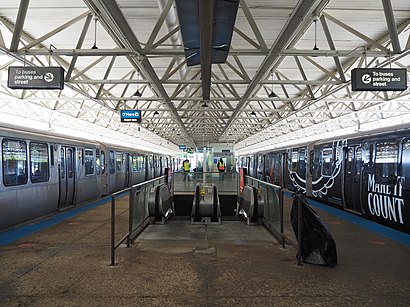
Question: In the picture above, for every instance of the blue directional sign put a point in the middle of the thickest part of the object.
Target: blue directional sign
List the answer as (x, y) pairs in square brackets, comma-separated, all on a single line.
[(182, 147), (131, 116)]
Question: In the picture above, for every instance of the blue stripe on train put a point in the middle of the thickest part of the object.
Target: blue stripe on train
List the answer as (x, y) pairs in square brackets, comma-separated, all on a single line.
[(379, 229)]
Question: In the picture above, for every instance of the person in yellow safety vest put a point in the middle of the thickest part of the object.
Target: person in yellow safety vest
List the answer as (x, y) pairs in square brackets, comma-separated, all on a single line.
[(186, 166), (221, 169)]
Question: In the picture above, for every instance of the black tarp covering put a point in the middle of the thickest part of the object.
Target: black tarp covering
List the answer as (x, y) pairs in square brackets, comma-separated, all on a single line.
[(318, 245), (223, 23)]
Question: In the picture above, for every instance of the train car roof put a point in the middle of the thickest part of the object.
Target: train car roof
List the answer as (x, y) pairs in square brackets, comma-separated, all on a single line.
[(358, 135)]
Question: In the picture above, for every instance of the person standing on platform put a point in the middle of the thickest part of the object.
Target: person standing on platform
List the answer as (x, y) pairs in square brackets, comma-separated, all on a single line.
[(221, 169), (186, 167)]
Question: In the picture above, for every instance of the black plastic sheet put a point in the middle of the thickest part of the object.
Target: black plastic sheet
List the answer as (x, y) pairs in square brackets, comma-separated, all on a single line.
[(318, 245)]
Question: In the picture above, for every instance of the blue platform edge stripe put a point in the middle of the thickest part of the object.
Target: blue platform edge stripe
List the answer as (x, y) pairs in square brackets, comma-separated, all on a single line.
[(14, 234), (379, 229)]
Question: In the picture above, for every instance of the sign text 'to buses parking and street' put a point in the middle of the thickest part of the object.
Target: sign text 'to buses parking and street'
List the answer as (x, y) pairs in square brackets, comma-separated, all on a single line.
[(379, 79), (35, 78)]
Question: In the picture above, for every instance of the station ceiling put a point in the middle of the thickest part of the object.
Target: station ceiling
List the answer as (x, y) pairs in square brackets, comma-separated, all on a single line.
[(286, 76)]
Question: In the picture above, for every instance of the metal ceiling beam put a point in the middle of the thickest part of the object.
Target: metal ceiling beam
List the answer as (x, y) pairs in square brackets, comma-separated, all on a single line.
[(298, 17), (117, 23), (215, 81), (163, 52), (18, 27), (391, 24)]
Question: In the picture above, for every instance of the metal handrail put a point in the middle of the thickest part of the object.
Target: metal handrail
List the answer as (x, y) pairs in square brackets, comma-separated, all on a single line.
[(126, 237), (264, 182)]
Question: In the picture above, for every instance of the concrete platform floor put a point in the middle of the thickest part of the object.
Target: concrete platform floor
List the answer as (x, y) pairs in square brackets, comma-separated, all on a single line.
[(182, 265)]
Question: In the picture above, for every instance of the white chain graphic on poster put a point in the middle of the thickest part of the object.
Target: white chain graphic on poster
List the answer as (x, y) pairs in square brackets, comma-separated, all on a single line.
[(330, 180)]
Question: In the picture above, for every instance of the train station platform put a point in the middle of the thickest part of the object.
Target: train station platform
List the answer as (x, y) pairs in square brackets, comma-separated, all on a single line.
[(178, 264)]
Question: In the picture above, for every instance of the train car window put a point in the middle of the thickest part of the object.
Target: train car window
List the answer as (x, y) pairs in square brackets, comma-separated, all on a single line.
[(120, 162), (97, 162), (112, 162), (405, 163), (62, 165), (102, 162), (89, 161), (327, 161), (301, 167), (14, 162), (294, 161), (39, 162), (386, 162)]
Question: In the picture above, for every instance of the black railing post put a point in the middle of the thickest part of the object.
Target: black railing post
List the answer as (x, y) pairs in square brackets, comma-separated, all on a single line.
[(300, 225), (112, 230), (282, 231), (131, 198)]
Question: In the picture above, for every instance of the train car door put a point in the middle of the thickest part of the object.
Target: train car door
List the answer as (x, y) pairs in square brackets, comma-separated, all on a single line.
[(352, 178), (66, 177)]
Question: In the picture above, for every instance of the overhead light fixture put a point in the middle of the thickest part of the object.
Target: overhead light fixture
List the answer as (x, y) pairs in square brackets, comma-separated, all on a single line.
[(204, 105), (95, 33), (253, 113), (272, 94), (156, 112), (137, 93), (315, 47)]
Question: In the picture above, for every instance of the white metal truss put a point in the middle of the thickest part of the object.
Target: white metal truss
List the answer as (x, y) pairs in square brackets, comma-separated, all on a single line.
[(140, 48)]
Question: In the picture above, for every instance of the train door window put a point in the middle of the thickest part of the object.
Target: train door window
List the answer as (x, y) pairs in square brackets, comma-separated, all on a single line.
[(97, 162), (252, 166), (405, 163), (301, 167), (39, 162), (137, 163), (150, 162), (62, 165), (141, 163), (51, 154), (134, 162), (70, 163), (120, 162), (89, 161), (260, 163), (268, 167), (359, 161), (14, 162), (294, 161), (311, 159), (112, 162), (327, 161), (366, 153), (317, 163), (386, 162), (102, 162)]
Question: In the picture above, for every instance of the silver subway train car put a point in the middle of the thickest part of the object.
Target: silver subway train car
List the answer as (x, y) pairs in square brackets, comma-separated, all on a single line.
[(41, 173)]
